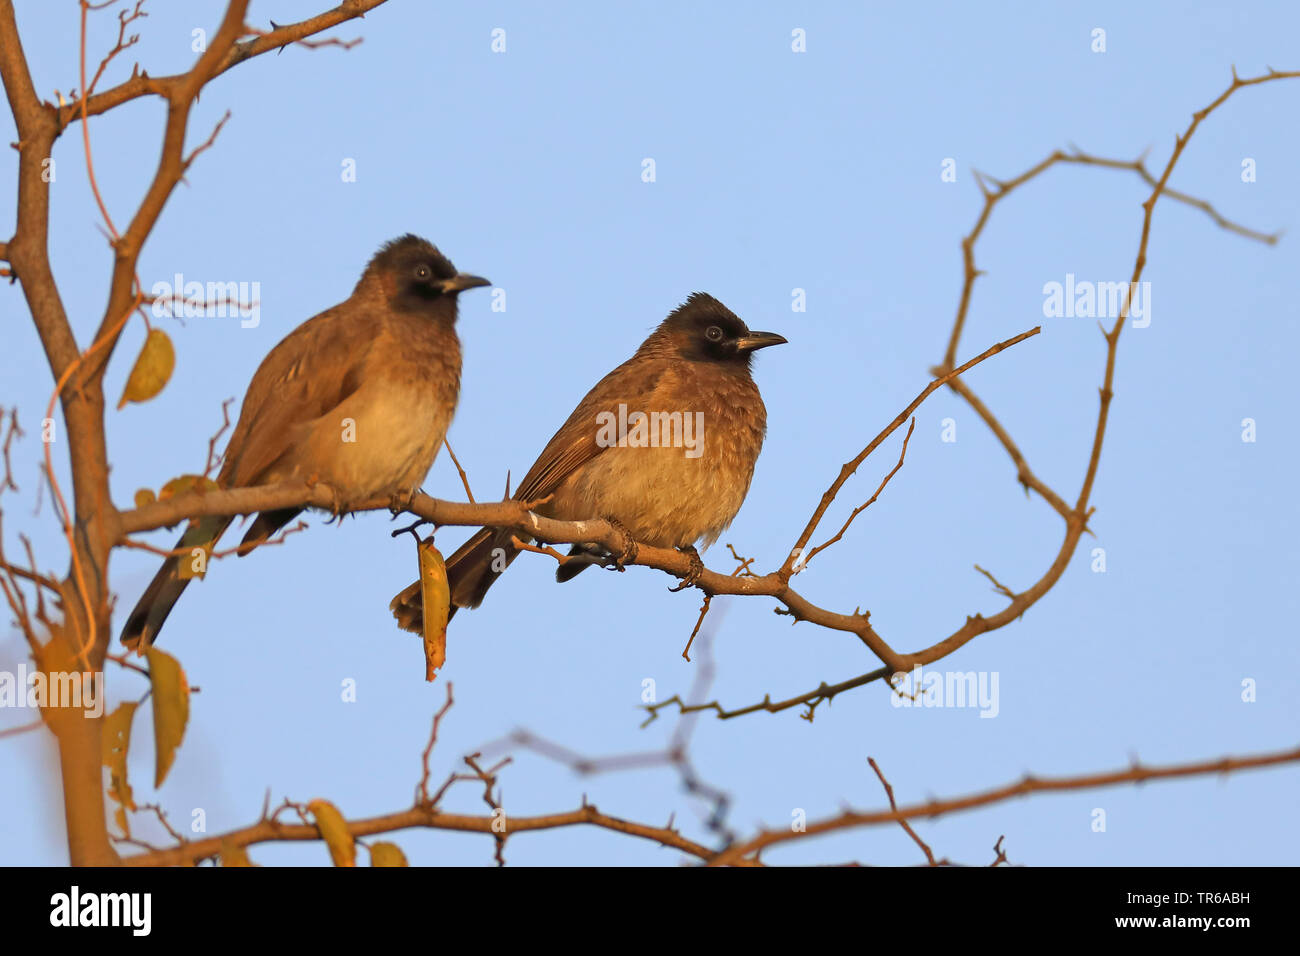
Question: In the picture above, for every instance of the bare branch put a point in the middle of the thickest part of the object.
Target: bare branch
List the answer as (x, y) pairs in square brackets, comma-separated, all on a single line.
[(141, 84), (849, 468), (863, 507), (464, 478), (907, 827), (1136, 773)]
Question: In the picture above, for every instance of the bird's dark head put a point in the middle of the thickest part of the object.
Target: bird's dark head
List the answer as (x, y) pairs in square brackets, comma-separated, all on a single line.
[(414, 276), (702, 329)]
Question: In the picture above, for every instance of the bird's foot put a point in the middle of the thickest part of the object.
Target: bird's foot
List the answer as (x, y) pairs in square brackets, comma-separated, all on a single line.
[(693, 575), (401, 501), (337, 507), (628, 554)]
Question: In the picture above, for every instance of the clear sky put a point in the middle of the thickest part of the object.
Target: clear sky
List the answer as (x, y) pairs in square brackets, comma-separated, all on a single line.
[(775, 170)]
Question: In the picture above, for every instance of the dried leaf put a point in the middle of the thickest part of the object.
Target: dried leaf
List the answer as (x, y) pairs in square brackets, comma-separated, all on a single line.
[(387, 854), (153, 367), (436, 594), (171, 709), (334, 830), (183, 483), (117, 740)]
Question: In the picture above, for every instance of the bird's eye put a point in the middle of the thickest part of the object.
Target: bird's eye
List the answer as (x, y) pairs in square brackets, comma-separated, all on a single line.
[(422, 271), (713, 333)]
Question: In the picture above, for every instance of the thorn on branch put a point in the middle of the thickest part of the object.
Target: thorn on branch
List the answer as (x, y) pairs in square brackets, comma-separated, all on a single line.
[(997, 585)]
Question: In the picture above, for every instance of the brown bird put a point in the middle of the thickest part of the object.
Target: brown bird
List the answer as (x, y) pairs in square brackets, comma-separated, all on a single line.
[(663, 446), (357, 398)]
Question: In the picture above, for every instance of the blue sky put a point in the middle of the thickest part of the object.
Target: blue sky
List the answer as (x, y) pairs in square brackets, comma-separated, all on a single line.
[(774, 171)]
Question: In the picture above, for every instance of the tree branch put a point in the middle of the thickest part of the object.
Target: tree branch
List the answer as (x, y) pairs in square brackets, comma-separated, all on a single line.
[(141, 84), (1136, 773)]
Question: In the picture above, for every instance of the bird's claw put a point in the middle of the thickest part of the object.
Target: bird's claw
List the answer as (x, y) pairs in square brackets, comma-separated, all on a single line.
[(628, 554), (401, 501), (693, 575), (338, 507)]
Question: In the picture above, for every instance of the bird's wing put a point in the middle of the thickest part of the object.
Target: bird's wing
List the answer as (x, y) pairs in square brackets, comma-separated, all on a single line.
[(632, 383), (309, 373)]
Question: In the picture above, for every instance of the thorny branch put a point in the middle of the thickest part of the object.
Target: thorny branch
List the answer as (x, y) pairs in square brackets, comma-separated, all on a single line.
[(424, 813), (1075, 516), (676, 754), (1135, 773)]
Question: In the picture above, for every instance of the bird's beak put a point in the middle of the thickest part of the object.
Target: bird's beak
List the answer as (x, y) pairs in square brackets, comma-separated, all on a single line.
[(759, 340), (462, 281)]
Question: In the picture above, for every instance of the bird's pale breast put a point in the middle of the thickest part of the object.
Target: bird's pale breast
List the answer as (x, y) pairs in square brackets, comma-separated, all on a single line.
[(384, 436), (673, 495)]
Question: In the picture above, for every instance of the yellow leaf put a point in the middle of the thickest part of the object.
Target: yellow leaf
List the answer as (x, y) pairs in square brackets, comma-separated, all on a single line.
[(144, 496), (233, 855), (334, 830), (117, 739), (183, 483), (171, 709), (152, 369), (436, 595), (387, 854)]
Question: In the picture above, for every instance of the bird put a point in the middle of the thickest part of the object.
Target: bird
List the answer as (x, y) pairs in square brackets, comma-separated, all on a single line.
[(357, 398), (610, 460)]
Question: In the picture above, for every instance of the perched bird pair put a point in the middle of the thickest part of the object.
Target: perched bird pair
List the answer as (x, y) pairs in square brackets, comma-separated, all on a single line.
[(359, 398)]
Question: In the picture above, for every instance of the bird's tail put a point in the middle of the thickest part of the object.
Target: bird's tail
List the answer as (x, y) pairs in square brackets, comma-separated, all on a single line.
[(264, 525), (581, 557), (470, 572), (146, 620)]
